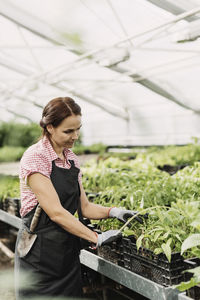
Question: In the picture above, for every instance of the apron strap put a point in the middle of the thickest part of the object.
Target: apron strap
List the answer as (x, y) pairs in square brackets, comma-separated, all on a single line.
[(80, 216)]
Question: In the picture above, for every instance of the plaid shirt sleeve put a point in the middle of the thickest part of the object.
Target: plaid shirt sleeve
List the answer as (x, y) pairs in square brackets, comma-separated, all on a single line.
[(34, 163)]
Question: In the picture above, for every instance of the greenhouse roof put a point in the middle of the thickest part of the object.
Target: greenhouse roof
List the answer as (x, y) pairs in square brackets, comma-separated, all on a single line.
[(126, 62)]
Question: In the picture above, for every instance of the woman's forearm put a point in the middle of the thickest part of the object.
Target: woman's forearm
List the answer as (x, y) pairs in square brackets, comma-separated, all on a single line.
[(71, 224), (95, 211), (91, 210)]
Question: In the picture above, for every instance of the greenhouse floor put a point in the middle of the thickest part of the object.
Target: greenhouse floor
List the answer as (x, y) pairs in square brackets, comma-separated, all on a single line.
[(9, 168)]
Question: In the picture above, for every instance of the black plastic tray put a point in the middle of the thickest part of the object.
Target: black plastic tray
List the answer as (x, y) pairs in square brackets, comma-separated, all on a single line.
[(154, 267)]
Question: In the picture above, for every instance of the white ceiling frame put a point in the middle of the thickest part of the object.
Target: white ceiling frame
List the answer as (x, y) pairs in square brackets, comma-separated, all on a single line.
[(45, 31), (36, 26), (9, 11), (61, 69), (40, 28), (173, 8), (93, 52), (29, 71), (11, 63), (19, 68), (16, 114), (6, 94), (193, 27)]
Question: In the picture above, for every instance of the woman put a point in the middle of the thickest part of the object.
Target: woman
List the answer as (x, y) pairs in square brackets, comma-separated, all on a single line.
[(50, 177)]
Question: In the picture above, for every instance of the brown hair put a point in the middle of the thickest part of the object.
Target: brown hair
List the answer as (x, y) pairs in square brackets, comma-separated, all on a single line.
[(56, 111)]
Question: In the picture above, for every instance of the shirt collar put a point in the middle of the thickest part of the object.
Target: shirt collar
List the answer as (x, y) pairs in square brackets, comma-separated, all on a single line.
[(53, 155)]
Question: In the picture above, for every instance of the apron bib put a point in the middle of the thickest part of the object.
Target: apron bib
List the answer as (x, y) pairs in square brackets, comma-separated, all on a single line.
[(52, 265)]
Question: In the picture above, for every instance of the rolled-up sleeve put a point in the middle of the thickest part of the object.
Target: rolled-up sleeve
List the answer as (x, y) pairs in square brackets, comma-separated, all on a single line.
[(34, 163)]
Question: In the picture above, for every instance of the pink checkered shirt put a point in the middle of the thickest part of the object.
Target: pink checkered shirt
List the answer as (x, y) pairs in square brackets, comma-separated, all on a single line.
[(38, 159)]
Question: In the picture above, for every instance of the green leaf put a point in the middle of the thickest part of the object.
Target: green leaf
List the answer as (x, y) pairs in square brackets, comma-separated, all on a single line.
[(192, 241), (158, 251), (169, 241), (128, 231), (178, 237), (139, 241), (165, 236), (183, 286), (157, 234), (195, 271), (167, 250), (196, 224)]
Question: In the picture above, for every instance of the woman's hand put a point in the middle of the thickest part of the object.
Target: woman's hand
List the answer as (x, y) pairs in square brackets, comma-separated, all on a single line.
[(124, 214), (108, 237)]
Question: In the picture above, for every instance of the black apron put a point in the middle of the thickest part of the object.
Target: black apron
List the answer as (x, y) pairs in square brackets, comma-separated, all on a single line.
[(53, 261)]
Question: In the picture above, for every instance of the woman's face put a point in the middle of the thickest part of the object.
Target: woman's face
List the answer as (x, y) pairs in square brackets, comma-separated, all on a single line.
[(66, 133)]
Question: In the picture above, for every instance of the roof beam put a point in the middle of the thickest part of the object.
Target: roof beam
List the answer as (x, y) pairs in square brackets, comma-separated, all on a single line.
[(16, 114), (28, 71), (157, 89), (172, 8), (6, 93), (19, 67), (13, 64)]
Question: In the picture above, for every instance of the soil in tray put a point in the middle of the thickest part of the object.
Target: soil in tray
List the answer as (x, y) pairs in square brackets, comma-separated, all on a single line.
[(107, 253)]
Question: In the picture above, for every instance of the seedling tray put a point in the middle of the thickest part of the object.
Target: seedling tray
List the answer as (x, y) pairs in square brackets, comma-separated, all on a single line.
[(154, 267)]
